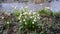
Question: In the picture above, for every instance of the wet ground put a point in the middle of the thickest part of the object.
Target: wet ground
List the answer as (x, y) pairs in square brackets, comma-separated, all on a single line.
[(55, 6)]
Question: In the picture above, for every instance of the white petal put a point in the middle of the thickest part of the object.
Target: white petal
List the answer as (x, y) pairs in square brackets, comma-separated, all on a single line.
[(32, 22)]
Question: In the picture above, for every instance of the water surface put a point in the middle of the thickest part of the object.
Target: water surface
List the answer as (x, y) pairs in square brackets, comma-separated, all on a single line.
[(55, 6)]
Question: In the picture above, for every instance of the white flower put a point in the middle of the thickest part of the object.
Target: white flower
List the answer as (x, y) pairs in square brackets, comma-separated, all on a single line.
[(25, 23), (25, 16), (34, 12), (29, 13), (19, 21), (20, 15), (37, 14), (8, 22), (38, 17), (25, 13), (34, 19), (23, 19), (2, 17), (31, 17), (32, 22)]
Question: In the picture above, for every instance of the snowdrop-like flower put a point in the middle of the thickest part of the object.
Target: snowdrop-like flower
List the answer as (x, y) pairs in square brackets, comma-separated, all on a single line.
[(2, 17), (19, 17), (25, 23), (35, 18), (29, 13), (8, 22), (31, 17), (19, 21), (25, 13), (34, 12), (25, 16), (32, 22), (38, 17), (37, 14), (23, 19)]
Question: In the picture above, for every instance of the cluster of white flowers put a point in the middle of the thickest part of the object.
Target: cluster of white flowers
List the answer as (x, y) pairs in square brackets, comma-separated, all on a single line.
[(28, 14)]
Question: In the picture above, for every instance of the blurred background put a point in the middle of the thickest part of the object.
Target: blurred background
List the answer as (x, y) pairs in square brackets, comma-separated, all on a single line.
[(7, 5)]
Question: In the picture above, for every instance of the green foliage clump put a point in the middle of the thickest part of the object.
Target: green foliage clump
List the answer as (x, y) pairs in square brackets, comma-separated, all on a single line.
[(28, 21), (45, 12), (57, 14)]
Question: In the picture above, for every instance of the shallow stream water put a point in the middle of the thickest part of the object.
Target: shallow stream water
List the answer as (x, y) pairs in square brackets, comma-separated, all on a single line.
[(55, 6)]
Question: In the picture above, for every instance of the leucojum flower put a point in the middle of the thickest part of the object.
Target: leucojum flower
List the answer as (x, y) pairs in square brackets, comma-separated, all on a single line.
[(28, 19)]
